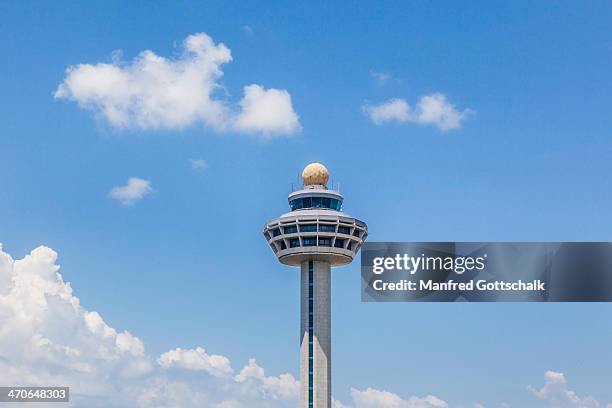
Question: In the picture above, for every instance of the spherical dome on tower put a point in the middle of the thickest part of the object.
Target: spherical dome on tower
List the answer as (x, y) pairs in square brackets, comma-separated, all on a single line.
[(315, 174)]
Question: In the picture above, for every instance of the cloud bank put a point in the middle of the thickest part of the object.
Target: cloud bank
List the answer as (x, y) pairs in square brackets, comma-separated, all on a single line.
[(154, 92), (434, 109), (48, 338)]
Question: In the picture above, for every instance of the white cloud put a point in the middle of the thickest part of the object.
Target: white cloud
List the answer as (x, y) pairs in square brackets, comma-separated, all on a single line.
[(154, 92), (266, 112), (48, 337), (135, 189), (431, 109), (436, 110), (380, 77), (396, 110), (555, 393), (284, 386), (196, 359), (372, 398), (247, 29), (198, 164), (338, 404)]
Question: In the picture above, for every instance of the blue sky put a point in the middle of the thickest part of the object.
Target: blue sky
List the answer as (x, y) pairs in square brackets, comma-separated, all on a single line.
[(187, 265)]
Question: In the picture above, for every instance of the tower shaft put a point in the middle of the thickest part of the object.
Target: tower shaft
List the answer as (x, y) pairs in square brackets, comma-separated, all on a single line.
[(315, 235), (315, 349)]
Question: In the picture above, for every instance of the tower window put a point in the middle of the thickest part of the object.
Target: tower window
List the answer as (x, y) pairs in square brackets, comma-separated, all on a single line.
[(275, 232), (295, 204), (327, 228), (339, 243), (356, 233), (344, 230), (292, 229), (310, 242), (293, 243), (308, 228), (324, 242)]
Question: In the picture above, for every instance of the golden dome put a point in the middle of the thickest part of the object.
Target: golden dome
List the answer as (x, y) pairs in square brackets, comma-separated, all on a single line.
[(315, 174)]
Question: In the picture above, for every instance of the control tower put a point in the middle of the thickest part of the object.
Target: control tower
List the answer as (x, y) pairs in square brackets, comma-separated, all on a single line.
[(315, 236)]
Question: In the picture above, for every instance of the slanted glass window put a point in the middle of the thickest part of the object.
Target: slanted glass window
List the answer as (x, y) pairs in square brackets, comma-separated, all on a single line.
[(307, 202), (310, 241), (344, 230), (338, 205), (292, 229), (324, 242), (275, 232), (325, 202), (339, 243), (283, 246), (356, 232), (293, 243), (316, 202), (308, 228), (296, 204), (327, 228)]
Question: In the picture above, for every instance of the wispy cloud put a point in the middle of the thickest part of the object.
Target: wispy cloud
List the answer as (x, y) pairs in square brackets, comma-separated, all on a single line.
[(198, 164), (154, 92), (135, 189), (247, 29), (380, 77), (434, 109)]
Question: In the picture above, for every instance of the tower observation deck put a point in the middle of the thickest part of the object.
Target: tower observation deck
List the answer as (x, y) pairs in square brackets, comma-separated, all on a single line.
[(315, 235)]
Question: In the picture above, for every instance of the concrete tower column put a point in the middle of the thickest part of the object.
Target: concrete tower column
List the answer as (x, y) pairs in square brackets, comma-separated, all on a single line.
[(315, 349)]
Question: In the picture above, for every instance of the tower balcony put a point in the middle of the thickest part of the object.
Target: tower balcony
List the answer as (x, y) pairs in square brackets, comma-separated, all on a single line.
[(322, 234)]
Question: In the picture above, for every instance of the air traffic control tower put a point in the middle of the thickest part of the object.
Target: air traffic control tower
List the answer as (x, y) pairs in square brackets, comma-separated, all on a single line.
[(315, 236)]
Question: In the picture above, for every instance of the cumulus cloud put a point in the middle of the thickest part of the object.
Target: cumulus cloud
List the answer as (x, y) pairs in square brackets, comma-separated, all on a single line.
[(372, 398), (396, 110), (135, 189), (196, 359), (266, 112), (47, 337), (555, 393), (284, 386), (154, 92), (434, 109)]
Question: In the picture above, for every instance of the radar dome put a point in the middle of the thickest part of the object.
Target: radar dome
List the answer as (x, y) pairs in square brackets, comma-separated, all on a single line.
[(315, 174)]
